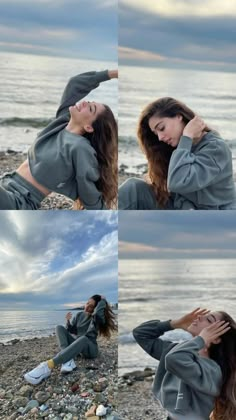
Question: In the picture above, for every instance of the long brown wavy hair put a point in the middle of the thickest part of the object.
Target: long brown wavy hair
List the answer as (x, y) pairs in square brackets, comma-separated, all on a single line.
[(110, 324), (159, 153), (224, 354), (104, 139)]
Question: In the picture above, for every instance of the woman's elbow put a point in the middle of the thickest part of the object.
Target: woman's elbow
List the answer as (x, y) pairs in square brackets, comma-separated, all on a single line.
[(170, 363)]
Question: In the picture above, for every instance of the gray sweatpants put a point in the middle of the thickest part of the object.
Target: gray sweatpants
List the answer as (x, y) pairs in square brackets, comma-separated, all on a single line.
[(72, 347), (136, 194), (18, 194)]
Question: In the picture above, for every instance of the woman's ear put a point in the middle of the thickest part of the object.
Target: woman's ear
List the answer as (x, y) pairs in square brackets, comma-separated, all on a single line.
[(88, 128), (180, 117)]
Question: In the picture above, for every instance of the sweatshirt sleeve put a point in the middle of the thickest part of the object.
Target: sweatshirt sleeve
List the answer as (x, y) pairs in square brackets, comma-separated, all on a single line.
[(80, 86), (147, 336), (189, 172), (87, 174), (72, 326), (99, 312), (200, 373)]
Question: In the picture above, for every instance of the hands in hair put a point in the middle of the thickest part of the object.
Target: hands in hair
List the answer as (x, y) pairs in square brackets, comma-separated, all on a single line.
[(195, 129), (185, 321), (113, 74), (213, 333)]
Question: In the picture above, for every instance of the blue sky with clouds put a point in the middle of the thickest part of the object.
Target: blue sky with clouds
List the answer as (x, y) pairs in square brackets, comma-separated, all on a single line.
[(183, 33), (74, 28), (189, 234), (53, 260)]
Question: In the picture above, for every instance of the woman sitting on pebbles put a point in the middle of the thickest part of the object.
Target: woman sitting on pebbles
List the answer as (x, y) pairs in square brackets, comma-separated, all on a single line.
[(196, 376), (97, 318), (75, 155), (189, 165)]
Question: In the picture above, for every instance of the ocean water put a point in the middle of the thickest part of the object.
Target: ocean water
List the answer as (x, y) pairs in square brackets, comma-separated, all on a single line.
[(30, 92), (28, 324), (209, 94), (165, 289), (24, 325)]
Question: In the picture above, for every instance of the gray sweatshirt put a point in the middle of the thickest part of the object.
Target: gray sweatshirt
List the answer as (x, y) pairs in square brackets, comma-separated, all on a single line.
[(87, 324), (201, 175), (185, 383), (64, 162)]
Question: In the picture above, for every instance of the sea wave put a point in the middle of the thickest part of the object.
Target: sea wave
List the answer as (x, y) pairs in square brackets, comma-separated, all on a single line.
[(25, 122)]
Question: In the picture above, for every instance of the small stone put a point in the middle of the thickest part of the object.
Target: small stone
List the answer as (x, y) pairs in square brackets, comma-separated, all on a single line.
[(2, 393), (101, 410), (25, 391), (94, 418), (75, 387), (68, 416), (34, 410), (84, 394), (99, 398), (31, 404), (91, 412), (20, 402), (41, 396)]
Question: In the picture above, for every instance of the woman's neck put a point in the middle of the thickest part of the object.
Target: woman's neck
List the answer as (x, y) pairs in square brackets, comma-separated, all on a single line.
[(74, 128)]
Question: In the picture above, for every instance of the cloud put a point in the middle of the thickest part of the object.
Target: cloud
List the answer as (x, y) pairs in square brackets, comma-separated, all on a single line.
[(177, 235), (66, 28), (184, 34), (57, 256)]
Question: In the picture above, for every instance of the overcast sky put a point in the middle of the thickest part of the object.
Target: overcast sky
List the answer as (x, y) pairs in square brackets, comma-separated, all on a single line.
[(74, 28), (186, 234), (178, 33), (53, 260)]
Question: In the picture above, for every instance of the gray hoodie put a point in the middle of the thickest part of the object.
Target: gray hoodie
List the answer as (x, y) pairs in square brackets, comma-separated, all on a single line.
[(87, 324), (202, 174), (64, 162), (185, 383)]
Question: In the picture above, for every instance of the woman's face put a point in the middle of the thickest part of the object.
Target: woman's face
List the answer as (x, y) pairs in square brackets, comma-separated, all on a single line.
[(89, 306), (203, 321), (168, 130), (84, 113)]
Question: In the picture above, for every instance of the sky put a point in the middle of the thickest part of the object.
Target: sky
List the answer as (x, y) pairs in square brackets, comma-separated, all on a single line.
[(57, 260), (85, 29), (173, 235), (178, 34)]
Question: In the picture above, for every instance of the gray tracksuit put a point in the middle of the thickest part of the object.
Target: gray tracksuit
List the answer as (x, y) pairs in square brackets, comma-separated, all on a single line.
[(200, 177), (59, 160), (85, 327), (185, 383)]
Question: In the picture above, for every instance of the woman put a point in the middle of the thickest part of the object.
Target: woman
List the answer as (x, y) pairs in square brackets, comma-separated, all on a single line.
[(198, 376), (97, 318), (75, 155), (189, 165)]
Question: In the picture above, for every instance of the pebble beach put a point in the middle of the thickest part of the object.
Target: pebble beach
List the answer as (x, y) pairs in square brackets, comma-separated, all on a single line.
[(73, 396), (135, 398)]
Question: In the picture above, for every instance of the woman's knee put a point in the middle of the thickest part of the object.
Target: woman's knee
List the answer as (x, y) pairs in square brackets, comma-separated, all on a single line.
[(60, 328)]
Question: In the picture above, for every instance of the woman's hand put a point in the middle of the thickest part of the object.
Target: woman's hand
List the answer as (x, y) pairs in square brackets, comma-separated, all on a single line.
[(194, 129), (68, 316), (214, 332), (113, 74), (185, 321)]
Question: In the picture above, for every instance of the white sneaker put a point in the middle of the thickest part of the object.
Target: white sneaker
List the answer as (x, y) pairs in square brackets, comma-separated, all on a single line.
[(39, 373), (68, 366)]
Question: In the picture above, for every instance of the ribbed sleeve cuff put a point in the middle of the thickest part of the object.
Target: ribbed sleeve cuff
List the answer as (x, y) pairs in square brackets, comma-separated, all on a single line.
[(185, 143), (199, 342), (102, 76)]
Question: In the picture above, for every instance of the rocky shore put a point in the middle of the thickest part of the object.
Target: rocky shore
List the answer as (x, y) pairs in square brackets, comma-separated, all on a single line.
[(135, 398), (87, 392)]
